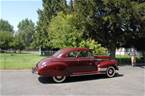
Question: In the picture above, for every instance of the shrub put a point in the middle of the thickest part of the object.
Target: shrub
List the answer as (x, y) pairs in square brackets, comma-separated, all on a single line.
[(97, 49)]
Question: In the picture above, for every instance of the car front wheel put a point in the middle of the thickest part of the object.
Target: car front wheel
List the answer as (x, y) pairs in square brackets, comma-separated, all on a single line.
[(110, 72), (59, 79)]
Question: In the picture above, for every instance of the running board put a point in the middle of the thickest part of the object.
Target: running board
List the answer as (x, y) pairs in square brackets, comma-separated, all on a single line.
[(86, 73)]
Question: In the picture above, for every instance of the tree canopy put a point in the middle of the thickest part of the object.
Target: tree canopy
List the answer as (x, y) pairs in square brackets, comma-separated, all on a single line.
[(50, 9), (26, 29), (6, 34), (63, 32), (5, 26)]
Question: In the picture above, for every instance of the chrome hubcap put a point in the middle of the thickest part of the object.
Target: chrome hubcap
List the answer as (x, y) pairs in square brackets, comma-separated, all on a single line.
[(110, 71), (58, 77)]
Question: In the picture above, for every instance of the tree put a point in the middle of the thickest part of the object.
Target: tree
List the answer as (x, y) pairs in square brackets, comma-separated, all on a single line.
[(5, 26), (105, 21), (5, 40), (140, 16), (137, 38), (50, 9), (18, 42), (63, 31), (26, 29), (6, 34)]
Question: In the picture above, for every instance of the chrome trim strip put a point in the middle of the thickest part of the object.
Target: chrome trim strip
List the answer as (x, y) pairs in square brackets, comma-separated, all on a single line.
[(84, 74)]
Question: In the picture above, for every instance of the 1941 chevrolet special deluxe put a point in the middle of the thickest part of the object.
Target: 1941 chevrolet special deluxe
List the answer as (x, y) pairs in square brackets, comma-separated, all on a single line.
[(75, 62)]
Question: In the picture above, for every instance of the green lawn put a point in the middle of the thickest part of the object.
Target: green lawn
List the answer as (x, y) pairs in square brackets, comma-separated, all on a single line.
[(18, 61)]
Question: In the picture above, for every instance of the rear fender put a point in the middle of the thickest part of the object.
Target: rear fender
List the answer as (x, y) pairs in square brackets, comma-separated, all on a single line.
[(106, 64), (57, 69), (57, 66)]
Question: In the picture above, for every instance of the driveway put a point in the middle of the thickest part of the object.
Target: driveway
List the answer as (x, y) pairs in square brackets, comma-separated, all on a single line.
[(129, 82)]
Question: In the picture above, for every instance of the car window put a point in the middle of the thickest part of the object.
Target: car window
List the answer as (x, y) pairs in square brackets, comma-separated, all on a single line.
[(57, 54), (85, 54), (73, 54)]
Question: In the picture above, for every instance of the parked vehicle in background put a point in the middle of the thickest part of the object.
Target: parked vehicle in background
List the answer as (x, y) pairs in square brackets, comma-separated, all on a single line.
[(75, 62)]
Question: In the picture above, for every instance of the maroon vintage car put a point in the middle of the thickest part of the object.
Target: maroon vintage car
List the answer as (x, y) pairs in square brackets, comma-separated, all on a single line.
[(75, 62)]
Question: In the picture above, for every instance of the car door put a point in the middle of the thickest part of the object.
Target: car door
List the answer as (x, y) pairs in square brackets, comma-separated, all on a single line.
[(72, 61), (86, 61)]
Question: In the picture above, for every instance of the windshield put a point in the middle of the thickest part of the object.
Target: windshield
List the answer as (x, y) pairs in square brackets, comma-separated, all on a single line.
[(57, 53)]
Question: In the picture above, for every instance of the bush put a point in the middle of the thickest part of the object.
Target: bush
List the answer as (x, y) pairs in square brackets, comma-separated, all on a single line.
[(97, 49)]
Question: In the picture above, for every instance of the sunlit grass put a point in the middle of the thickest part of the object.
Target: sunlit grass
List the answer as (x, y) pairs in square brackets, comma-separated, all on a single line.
[(18, 61)]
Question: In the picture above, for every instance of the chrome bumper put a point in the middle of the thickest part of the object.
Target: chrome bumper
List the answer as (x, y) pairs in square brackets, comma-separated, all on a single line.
[(102, 69)]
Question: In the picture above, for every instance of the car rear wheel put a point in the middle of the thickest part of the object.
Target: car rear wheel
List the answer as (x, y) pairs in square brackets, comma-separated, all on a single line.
[(59, 79), (110, 72)]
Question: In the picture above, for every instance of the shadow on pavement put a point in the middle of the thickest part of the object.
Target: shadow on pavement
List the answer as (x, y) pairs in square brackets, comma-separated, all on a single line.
[(137, 64), (47, 80), (142, 65)]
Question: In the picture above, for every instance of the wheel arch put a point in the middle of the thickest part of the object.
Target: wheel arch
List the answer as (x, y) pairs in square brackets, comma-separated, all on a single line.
[(106, 64)]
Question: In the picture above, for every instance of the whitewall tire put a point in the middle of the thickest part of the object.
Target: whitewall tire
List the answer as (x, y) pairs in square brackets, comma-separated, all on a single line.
[(59, 79), (110, 72)]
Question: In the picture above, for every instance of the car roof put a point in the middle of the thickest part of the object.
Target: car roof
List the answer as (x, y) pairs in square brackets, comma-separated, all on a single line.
[(65, 51)]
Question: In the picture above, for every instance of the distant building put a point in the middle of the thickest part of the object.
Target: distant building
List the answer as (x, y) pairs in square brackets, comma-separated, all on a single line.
[(125, 51), (121, 51)]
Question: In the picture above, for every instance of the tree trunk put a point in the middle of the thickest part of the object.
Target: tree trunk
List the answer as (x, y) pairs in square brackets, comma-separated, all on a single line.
[(112, 52), (143, 54)]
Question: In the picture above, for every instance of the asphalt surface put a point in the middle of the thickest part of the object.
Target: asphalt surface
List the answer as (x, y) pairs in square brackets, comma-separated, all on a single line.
[(129, 82)]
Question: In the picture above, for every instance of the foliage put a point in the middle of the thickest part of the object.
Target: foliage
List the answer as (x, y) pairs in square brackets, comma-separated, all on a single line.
[(26, 29), (110, 22), (5, 26), (5, 40), (63, 32), (50, 9), (95, 46), (6, 34), (18, 42), (138, 38)]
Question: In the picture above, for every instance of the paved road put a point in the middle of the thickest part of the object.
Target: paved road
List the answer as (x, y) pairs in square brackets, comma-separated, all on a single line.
[(129, 82)]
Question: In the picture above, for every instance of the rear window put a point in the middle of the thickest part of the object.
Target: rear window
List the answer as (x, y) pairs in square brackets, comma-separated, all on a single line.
[(58, 53)]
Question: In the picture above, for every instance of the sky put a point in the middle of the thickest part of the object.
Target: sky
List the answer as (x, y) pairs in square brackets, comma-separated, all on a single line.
[(15, 11)]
